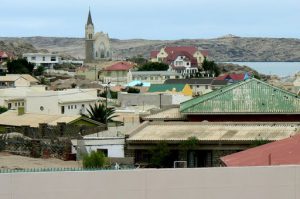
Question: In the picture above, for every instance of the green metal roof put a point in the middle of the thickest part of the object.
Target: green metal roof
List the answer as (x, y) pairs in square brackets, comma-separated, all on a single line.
[(249, 96), (166, 87)]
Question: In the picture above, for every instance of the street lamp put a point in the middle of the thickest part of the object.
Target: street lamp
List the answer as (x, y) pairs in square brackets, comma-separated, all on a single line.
[(106, 91)]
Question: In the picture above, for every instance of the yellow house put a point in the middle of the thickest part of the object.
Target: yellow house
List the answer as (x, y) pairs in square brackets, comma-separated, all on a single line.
[(184, 89)]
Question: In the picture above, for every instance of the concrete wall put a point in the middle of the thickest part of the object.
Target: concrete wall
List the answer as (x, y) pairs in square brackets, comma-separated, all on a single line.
[(210, 183), (140, 99)]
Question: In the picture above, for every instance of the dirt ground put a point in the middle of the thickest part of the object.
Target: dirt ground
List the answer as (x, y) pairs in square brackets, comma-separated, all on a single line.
[(9, 161)]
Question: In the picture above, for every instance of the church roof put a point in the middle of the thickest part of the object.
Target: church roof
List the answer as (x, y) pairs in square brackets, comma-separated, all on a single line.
[(248, 96), (89, 21)]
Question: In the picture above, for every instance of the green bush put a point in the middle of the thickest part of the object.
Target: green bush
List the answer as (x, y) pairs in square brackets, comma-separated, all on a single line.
[(94, 160)]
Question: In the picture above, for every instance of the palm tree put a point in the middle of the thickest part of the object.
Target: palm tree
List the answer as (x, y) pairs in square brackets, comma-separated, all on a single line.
[(99, 113)]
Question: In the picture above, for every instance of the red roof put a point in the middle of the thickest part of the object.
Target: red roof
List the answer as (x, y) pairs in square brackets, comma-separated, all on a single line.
[(120, 66), (283, 152), (153, 54), (174, 49), (3, 54), (235, 77)]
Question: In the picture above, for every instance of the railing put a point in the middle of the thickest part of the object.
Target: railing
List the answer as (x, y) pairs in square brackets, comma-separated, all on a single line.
[(32, 170)]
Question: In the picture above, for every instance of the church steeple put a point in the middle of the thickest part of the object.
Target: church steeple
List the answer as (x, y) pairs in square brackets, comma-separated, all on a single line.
[(89, 21)]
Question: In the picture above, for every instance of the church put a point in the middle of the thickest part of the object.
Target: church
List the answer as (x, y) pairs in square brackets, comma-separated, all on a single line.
[(97, 45)]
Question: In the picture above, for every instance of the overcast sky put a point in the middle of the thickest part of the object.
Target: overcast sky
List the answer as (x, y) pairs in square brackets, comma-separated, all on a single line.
[(152, 19)]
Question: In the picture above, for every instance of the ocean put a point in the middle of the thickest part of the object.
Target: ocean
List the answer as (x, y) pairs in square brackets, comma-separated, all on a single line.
[(281, 69)]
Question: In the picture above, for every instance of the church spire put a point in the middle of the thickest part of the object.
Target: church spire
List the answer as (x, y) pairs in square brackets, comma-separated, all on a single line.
[(89, 21)]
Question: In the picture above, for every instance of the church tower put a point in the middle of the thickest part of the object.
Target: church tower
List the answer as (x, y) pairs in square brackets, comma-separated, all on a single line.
[(89, 39)]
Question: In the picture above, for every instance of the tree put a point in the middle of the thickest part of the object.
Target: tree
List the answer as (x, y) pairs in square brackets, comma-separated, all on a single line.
[(3, 109), (153, 66), (159, 155), (98, 113), (94, 160), (140, 60), (39, 71), (188, 145), (210, 67), (19, 66)]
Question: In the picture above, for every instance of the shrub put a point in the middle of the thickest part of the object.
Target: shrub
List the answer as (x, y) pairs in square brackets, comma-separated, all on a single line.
[(94, 160)]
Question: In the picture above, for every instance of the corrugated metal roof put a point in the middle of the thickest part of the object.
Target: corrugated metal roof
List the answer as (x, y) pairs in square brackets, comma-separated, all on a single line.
[(282, 152), (166, 87), (206, 131), (249, 96)]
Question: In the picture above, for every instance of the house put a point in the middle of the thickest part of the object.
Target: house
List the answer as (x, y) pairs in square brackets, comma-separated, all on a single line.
[(183, 89), (282, 152), (5, 56), (199, 86), (169, 54), (47, 60), (184, 60), (116, 73), (65, 102), (249, 100), (111, 146), (18, 118), (17, 80), (221, 122), (12, 98), (231, 78), (213, 139), (153, 77)]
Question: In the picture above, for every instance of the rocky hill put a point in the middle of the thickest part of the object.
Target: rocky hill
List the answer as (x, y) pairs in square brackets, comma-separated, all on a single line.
[(227, 48)]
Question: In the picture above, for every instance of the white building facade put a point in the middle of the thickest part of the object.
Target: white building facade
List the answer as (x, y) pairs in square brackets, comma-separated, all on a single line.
[(47, 60)]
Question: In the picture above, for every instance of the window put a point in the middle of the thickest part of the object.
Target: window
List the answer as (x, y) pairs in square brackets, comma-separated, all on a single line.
[(69, 107), (32, 58), (19, 104), (53, 58), (90, 36), (44, 59), (41, 108), (206, 86), (22, 103), (9, 106), (104, 151), (16, 104), (62, 110), (82, 105), (75, 106)]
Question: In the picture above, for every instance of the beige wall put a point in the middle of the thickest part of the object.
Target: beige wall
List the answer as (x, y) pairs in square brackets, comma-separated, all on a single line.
[(208, 183)]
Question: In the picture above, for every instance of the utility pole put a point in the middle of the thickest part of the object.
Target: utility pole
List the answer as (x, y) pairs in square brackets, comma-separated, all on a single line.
[(160, 94), (106, 118)]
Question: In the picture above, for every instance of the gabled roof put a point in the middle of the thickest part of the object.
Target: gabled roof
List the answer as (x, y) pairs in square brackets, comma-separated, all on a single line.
[(14, 77), (153, 54), (249, 96), (120, 66), (234, 77), (283, 152), (166, 87)]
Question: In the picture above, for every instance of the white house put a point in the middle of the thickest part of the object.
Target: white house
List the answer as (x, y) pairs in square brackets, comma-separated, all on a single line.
[(66, 102), (112, 147), (17, 80), (183, 65), (12, 98), (43, 59)]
